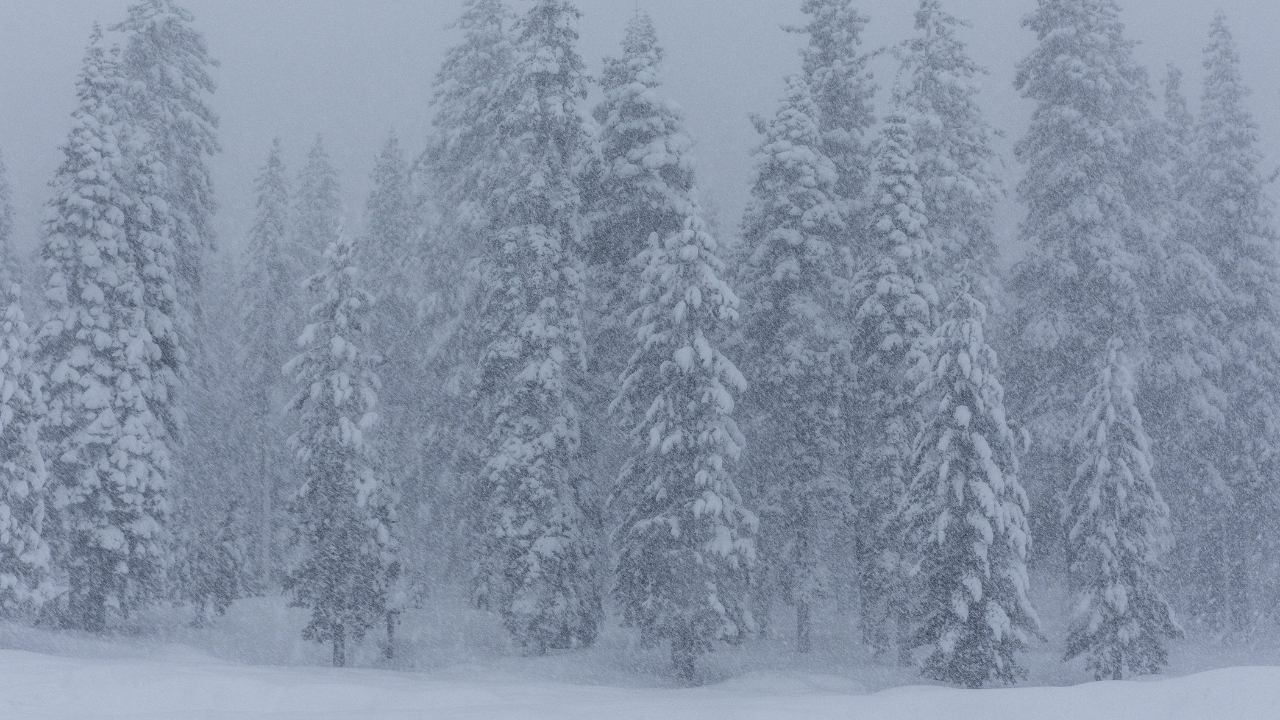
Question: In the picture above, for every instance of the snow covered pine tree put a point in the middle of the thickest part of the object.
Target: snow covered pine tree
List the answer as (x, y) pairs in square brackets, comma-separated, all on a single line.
[(317, 209), (457, 176), (169, 61), (686, 543), (964, 510), (26, 580), (840, 81), (1096, 229), (896, 313), (108, 353), (1236, 230), (842, 87), (637, 171), (794, 233), (1118, 527), (539, 544), (344, 512), (389, 252), (269, 297), (10, 262), (1186, 407)]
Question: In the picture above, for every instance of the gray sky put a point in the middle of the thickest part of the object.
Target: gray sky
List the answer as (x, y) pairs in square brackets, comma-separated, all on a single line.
[(353, 70)]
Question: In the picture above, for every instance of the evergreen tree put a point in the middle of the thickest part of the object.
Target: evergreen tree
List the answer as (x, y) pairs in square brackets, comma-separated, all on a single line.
[(317, 209), (345, 510), (108, 353), (469, 106), (964, 511), (956, 164), (1117, 527), (9, 259), (1097, 189), (842, 87), (794, 233), (269, 295), (539, 544), (638, 177), (1093, 224), (389, 252), (640, 171), (895, 313), (168, 61), (1183, 382), (456, 175), (25, 573), (686, 543), (1237, 233)]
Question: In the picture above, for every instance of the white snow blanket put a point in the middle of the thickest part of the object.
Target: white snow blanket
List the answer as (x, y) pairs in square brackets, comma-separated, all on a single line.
[(36, 686)]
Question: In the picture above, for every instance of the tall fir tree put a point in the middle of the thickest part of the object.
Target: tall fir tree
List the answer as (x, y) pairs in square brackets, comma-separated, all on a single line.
[(1186, 406), (539, 533), (1117, 528), (895, 306), (795, 235), (637, 172), (839, 78), (317, 209), (837, 72), (26, 579), (168, 61), (390, 252), (1096, 189), (269, 299), (10, 262), (686, 545), (344, 513), (107, 353), (964, 510), (1237, 233), (455, 175)]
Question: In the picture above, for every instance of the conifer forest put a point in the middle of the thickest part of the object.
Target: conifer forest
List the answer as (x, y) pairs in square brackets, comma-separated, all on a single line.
[(914, 390)]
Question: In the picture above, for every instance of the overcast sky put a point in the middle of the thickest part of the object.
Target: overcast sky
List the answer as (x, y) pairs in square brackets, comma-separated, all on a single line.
[(354, 70)]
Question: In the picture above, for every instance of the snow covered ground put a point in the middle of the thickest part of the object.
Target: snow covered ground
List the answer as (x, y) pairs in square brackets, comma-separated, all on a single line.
[(454, 663), (43, 686)]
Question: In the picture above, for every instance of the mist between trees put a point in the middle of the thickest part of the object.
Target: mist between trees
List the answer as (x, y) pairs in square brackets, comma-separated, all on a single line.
[(544, 375)]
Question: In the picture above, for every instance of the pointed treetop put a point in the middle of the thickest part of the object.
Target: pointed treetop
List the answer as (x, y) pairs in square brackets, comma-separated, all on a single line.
[(832, 63), (1083, 51), (1225, 91), (641, 59), (1177, 112)]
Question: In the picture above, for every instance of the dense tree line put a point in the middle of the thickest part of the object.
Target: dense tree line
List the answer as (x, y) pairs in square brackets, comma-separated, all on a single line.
[(538, 372)]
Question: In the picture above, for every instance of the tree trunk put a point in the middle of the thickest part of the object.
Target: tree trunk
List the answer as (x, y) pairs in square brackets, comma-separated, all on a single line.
[(87, 606), (804, 641), (683, 654), (339, 646), (1238, 591), (390, 651), (905, 658), (267, 509)]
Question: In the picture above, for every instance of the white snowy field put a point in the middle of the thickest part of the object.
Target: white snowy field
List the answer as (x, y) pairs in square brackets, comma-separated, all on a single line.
[(454, 663), (44, 686)]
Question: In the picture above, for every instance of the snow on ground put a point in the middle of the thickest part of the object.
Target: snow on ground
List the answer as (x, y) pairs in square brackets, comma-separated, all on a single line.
[(42, 686), (457, 663)]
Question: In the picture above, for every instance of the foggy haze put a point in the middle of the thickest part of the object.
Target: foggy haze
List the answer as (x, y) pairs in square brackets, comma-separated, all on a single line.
[(295, 68)]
